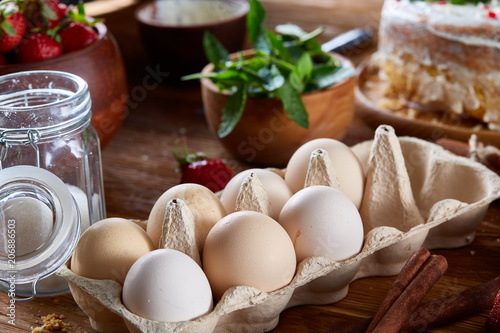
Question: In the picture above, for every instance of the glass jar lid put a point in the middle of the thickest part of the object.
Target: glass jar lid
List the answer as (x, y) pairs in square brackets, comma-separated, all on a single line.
[(39, 224)]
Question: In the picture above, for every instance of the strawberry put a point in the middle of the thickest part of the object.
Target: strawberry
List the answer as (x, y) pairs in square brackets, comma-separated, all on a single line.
[(44, 13), (38, 46), (199, 169), (3, 59), (12, 26), (493, 321), (76, 36)]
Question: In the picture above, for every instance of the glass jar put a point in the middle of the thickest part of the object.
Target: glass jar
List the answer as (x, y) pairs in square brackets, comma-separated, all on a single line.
[(45, 124)]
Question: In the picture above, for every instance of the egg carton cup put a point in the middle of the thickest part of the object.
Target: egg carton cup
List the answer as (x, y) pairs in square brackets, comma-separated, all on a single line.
[(416, 195)]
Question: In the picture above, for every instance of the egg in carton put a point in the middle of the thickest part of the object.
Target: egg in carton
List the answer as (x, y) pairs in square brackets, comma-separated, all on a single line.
[(415, 194)]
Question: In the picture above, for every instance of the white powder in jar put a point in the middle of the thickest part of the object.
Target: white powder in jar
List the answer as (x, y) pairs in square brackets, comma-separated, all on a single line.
[(32, 221)]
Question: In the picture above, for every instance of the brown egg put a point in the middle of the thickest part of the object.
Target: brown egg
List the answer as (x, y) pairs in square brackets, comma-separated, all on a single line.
[(108, 248), (344, 164), (203, 203), (247, 248)]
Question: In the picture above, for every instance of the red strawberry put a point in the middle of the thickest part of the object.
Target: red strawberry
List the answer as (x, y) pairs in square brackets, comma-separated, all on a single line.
[(44, 13), (62, 10), (493, 321), (38, 47), (76, 36), (3, 59), (12, 26), (199, 169)]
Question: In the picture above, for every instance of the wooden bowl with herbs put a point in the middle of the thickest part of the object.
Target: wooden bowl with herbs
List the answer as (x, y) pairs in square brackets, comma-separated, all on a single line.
[(265, 102)]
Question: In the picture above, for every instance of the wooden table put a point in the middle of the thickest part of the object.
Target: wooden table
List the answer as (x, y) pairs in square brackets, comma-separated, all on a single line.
[(138, 168)]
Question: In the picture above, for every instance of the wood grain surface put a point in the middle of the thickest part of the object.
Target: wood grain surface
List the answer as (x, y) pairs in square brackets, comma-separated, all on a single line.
[(138, 167)]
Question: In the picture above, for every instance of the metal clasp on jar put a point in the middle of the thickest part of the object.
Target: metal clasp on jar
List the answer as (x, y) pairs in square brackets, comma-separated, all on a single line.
[(26, 136)]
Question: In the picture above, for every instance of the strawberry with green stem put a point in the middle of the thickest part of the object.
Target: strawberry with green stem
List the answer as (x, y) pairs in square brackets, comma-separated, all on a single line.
[(200, 169), (43, 13), (12, 26), (79, 32)]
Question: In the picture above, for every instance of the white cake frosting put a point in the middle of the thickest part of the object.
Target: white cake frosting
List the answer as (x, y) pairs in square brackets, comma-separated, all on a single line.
[(443, 55)]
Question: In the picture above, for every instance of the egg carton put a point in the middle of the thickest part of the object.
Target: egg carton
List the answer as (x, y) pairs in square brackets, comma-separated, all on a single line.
[(416, 195)]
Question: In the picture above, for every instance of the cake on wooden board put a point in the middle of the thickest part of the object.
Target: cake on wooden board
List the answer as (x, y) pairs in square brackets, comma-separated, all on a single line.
[(443, 56)]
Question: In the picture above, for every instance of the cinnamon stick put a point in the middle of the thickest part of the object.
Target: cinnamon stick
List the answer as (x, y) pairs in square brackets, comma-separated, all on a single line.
[(457, 147), (409, 299), (402, 281), (439, 311), (454, 307)]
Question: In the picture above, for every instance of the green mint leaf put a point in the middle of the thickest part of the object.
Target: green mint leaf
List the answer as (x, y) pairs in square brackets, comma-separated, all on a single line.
[(272, 78), (278, 46), (233, 110), (335, 76), (311, 35), (257, 31), (296, 81), (7, 28), (215, 52), (296, 52), (304, 67), (302, 72), (290, 30), (47, 12), (292, 103)]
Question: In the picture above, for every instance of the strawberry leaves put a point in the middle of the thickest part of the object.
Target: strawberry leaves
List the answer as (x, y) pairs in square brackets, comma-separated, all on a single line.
[(6, 12), (79, 16)]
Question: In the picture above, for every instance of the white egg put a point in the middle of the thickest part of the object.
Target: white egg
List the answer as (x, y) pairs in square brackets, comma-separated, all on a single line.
[(344, 162), (167, 286), (322, 221), (275, 187)]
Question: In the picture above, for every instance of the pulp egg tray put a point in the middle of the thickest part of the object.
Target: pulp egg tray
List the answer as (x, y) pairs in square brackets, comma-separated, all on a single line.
[(416, 195)]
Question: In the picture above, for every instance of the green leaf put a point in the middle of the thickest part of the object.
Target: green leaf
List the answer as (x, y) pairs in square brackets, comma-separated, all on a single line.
[(215, 52), (233, 110), (7, 28), (272, 78), (257, 31), (47, 12), (304, 67), (81, 8), (301, 73), (290, 30), (226, 75), (296, 81), (292, 103), (311, 35), (339, 74), (278, 46)]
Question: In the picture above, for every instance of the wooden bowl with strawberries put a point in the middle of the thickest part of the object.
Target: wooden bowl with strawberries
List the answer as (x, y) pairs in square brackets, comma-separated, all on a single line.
[(68, 41)]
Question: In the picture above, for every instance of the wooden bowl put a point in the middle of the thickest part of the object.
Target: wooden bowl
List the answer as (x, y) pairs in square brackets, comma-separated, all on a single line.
[(101, 65), (178, 48), (265, 135)]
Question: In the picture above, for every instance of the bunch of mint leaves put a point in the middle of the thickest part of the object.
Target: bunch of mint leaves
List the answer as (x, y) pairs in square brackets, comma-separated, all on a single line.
[(285, 65)]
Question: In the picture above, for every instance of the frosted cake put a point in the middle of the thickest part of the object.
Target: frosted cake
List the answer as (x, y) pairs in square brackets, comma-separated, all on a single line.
[(443, 56)]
